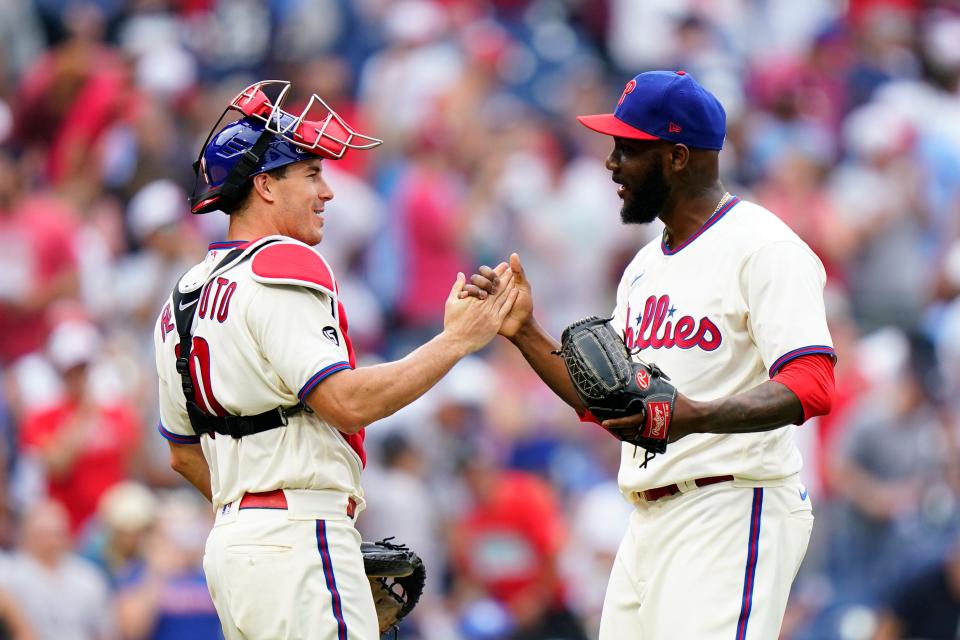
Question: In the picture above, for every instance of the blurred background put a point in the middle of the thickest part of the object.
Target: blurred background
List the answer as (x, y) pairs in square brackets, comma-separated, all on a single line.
[(843, 118)]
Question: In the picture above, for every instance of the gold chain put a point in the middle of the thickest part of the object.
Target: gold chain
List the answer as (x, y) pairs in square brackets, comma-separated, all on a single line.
[(724, 200)]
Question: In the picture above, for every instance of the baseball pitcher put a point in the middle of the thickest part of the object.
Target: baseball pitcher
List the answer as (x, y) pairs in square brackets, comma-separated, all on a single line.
[(717, 347)]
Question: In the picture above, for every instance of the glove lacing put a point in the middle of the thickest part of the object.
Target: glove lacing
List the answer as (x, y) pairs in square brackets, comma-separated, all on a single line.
[(647, 456)]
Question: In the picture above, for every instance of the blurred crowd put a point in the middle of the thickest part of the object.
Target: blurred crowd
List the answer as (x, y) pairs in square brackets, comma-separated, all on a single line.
[(843, 118)]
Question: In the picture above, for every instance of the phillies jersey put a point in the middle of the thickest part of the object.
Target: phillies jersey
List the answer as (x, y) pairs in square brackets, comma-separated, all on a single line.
[(720, 314), (267, 330)]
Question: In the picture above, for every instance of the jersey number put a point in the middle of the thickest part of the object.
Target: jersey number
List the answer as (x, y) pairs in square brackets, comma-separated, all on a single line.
[(200, 375)]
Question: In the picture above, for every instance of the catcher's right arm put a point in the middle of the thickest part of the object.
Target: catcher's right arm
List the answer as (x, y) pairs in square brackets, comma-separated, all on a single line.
[(612, 385), (397, 577)]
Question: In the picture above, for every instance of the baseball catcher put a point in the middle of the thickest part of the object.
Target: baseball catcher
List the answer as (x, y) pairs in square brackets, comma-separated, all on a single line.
[(613, 385), (265, 414), (397, 577)]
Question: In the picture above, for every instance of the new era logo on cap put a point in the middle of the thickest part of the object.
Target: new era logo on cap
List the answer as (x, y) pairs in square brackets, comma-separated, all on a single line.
[(665, 105)]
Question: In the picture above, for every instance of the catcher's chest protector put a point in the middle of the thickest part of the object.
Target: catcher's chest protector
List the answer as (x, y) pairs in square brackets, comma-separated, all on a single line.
[(184, 310)]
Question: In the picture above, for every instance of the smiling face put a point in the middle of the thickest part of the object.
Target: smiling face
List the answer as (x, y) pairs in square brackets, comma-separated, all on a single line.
[(301, 195), (638, 166)]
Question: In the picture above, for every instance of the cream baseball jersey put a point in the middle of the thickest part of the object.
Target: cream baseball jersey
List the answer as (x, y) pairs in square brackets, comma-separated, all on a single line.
[(721, 314), (267, 330)]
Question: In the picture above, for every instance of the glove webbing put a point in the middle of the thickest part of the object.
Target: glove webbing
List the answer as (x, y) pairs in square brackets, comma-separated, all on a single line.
[(396, 589)]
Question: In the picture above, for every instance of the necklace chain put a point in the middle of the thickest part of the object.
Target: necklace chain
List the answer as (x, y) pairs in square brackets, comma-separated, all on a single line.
[(723, 200)]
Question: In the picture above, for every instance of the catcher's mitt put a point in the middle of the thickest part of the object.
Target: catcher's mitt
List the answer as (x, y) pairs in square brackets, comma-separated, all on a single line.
[(397, 577), (612, 385)]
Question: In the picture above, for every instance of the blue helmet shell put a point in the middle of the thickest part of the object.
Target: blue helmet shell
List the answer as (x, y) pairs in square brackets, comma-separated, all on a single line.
[(227, 147)]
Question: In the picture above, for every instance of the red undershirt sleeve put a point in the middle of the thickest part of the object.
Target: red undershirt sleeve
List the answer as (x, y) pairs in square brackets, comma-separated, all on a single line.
[(810, 378), (586, 416)]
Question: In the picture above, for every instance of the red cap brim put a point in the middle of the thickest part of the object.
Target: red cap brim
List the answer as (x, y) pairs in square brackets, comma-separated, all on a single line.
[(612, 126)]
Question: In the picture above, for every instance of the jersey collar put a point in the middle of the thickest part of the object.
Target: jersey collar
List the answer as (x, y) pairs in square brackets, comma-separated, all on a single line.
[(228, 244), (712, 220)]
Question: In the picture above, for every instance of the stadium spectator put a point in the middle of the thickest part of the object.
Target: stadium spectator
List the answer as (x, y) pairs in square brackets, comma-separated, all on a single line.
[(83, 442), (13, 626), (60, 594), (508, 545), (37, 260), (116, 540), (925, 606), (892, 466), (164, 596)]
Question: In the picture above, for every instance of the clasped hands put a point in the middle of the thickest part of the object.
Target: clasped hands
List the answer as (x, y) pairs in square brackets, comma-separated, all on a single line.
[(509, 279)]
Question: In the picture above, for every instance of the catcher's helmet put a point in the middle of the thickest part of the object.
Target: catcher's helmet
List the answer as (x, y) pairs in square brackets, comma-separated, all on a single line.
[(266, 138)]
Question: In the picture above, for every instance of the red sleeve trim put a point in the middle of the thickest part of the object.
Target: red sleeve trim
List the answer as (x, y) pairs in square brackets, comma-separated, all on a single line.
[(810, 378)]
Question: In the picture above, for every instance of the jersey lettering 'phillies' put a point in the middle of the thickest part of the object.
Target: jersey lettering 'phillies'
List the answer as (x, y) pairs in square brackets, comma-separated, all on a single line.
[(654, 330), (720, 315)]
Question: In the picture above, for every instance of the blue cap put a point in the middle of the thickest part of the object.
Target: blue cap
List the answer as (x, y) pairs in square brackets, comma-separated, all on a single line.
[(665, 105)]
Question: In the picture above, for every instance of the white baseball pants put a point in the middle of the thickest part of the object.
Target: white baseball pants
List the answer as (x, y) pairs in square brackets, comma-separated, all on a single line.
[(714, 563), (285, 574)]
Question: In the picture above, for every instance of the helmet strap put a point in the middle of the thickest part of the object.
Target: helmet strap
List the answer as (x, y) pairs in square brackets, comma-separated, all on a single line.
[(226, 194), (238, 176)]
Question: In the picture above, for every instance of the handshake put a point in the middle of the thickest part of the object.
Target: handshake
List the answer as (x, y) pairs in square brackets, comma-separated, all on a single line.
[(495, 300), (594, 372)]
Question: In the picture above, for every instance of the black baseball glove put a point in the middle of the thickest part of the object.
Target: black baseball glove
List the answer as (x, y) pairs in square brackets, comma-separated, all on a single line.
[(397, 577), (612, 385)]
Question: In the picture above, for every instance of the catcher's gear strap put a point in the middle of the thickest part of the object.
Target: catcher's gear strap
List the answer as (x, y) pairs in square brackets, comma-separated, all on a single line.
[(225, 196), (184, 310), (296, 264)]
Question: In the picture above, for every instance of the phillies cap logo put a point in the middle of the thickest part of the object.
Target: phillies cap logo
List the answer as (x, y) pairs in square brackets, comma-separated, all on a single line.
[(627, 89), (643, 379)]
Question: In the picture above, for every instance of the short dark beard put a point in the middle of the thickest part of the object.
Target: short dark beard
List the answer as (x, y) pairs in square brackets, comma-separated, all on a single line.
[(646, 202)]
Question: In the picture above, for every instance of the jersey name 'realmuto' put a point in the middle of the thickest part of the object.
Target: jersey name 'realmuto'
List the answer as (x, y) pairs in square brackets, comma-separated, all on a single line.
[(266, 332), (721, 314)]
